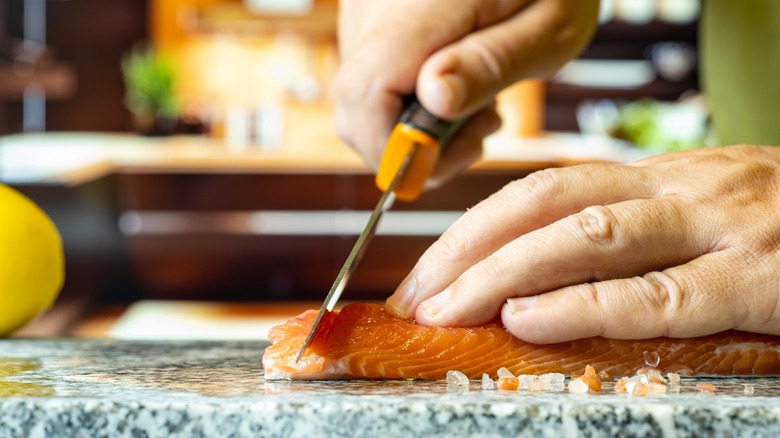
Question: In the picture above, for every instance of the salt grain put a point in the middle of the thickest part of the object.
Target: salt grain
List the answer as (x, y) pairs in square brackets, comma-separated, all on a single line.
[(639, 389), (749, 389), (656, 388), (458, 379), (537, 386), (674, 378), (652, 359), (552, 378), (578, 386), (591, 379), (655, 376), (620, 385), (487, 383), (503, 372), (525, 381), (509, 383)]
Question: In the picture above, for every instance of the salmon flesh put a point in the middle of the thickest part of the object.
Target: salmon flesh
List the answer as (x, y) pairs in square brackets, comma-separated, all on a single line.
[(363, 342)]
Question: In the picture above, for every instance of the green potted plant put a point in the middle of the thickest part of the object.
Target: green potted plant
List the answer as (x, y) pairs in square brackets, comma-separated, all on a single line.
[(149, 91)]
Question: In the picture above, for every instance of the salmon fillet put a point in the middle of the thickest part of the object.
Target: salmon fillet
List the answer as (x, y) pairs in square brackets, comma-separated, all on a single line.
[(362, 341)]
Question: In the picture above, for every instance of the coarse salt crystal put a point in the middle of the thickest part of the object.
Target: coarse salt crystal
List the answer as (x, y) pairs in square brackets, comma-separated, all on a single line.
[(639, 389), (537, 385), (552, 378), (456, 378), (656, 388), (620, 385), (525, 380), (655, 376), (503, 372), (749, 389), (591, 379), (487, 382), (509, 383), (652, 359), (578, 386), (674, 378)]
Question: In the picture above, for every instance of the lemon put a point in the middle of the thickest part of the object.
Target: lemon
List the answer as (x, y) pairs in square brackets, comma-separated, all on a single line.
[(32, 267)]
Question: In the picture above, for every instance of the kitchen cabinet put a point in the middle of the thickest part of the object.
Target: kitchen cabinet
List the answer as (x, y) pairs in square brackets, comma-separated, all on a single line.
[(192, 234)]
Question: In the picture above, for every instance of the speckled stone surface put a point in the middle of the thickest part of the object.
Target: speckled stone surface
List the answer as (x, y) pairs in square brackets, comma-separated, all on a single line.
[(95, 388)]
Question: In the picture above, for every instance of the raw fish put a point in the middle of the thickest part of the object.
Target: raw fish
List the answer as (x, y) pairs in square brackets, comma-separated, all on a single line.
[(363, 341)]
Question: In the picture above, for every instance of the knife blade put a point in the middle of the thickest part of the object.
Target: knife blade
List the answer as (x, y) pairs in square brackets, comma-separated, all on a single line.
[(410, 156)]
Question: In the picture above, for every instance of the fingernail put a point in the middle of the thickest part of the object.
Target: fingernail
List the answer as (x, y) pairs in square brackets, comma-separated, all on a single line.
[(434, 305), (398, 303), (517, 305)]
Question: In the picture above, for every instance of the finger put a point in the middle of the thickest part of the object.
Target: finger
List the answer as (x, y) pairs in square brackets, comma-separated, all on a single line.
[(355, 19), (465, 148), (384, 65), (707, 295), (519, 208), (367, 133), (673, 159), (600, 243), (535, 42)]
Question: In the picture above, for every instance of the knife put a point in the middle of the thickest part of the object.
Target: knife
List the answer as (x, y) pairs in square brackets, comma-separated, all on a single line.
[(411, 154)]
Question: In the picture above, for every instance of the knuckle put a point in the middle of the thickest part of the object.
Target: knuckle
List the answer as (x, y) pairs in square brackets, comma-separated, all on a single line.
[(452, 245), (539, 187), (494, 266), (666, 297), (597, 224), (590, 297), (492, 58)]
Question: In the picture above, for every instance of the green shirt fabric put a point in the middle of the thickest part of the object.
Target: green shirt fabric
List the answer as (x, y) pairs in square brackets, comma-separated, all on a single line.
[(740, 68)]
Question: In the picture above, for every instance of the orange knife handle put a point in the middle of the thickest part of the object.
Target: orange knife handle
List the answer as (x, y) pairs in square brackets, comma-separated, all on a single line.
[(416, 129)]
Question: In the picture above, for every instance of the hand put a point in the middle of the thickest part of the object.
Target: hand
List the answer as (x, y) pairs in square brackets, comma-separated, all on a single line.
[(455, 55), (679, 245)]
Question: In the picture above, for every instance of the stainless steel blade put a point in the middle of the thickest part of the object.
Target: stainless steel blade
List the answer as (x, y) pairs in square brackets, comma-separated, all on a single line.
[(384, 204)]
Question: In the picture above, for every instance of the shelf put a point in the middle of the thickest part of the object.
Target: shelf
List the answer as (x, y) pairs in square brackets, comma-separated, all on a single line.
[(233, 18), (647, 32), (658, 89), (58, 81)]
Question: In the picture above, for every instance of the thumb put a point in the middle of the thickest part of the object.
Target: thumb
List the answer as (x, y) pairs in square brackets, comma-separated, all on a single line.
[(466, 75)]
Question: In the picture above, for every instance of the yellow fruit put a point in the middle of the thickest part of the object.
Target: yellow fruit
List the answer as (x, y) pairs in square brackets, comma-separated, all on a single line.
[(32, 267)]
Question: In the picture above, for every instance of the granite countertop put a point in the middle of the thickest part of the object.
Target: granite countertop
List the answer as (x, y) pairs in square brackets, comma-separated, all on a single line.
[(76, 387)]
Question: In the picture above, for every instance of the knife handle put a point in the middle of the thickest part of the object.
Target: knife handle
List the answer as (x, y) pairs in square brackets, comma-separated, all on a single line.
[(420, 131)]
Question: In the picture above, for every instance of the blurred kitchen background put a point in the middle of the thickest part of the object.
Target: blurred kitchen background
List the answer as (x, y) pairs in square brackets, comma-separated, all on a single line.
[(186, 151)]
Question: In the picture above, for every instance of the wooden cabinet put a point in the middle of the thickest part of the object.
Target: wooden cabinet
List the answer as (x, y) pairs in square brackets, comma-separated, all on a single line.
[(191, 235)]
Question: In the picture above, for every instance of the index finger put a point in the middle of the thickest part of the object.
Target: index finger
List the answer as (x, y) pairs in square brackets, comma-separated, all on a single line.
[(521, 207)]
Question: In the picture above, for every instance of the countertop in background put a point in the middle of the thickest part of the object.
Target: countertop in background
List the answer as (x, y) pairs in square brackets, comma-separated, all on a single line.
[(74, 158), (72, 387)]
